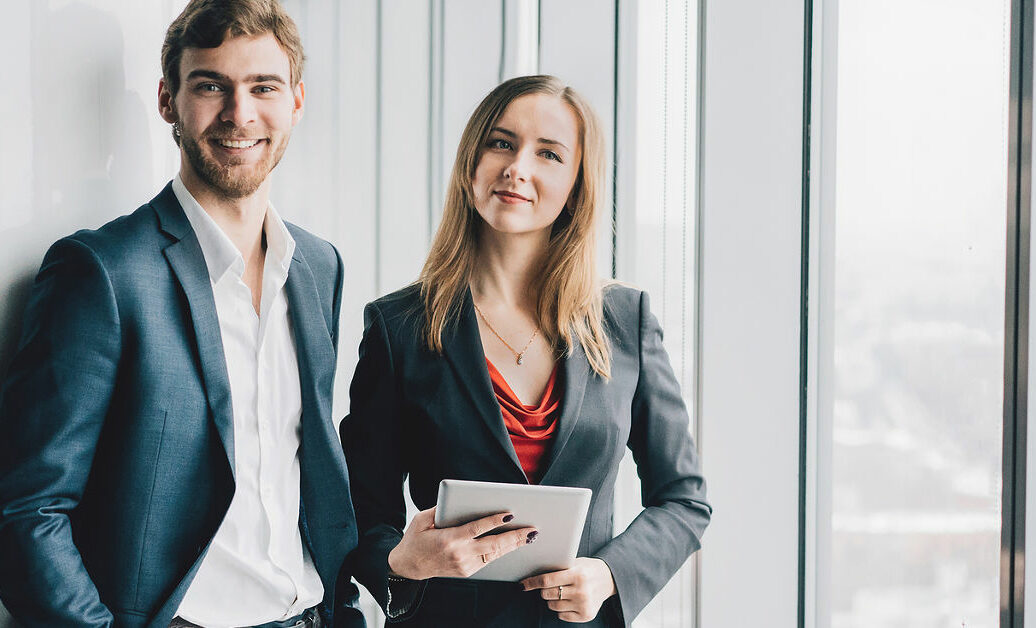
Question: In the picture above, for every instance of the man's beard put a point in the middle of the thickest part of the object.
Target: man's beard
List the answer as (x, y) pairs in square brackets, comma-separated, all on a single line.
[(231, 180)]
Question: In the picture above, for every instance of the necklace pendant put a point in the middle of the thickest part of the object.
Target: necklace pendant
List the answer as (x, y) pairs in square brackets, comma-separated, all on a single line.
[(521, 356)]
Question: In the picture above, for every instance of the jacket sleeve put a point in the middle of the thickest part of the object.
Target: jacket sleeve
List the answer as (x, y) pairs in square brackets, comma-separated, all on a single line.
[(669, 529), (373, 449), (55, 399)]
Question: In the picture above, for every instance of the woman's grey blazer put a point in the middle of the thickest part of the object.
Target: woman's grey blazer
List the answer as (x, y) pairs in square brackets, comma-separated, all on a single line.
[(428, 416)]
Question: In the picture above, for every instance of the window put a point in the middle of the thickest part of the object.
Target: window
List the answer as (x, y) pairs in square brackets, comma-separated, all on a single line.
[(911, 314)]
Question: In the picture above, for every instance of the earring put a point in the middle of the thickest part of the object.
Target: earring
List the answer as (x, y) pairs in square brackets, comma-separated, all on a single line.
[(176, 128), (571, 210)]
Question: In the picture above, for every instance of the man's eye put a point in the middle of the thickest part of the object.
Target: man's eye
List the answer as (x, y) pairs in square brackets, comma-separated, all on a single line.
[(264, 89), (210, 87)]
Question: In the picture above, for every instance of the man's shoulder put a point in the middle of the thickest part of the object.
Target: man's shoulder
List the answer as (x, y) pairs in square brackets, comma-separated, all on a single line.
[(317, 251), (125, 237)]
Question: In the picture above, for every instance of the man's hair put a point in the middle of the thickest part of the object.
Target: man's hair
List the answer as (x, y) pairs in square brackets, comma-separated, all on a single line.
[(206, 23)]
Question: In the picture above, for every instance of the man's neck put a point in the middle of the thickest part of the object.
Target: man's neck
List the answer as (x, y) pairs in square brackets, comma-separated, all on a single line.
[(240, 218)]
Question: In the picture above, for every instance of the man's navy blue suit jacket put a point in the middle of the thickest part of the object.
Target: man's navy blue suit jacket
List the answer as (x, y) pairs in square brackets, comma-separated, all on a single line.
[(116, 427)]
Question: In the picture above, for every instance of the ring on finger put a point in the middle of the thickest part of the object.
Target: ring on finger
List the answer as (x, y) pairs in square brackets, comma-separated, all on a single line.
[(484, 559), (560, 594)]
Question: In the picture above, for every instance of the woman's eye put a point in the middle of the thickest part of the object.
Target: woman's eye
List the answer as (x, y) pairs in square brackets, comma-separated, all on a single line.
[(549, 154), (499, 143)]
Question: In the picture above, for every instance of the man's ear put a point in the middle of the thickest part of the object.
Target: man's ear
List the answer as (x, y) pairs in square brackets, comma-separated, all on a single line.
[(299, 94), (166, 106)]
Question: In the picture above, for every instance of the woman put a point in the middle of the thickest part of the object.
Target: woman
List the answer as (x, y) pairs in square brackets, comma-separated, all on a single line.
[(509, 362)]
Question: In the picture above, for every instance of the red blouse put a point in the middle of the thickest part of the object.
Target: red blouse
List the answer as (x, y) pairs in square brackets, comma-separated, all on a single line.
[(531, 427)]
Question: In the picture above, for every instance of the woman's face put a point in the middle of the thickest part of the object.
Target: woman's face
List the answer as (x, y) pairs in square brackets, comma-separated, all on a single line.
[(528, 166)]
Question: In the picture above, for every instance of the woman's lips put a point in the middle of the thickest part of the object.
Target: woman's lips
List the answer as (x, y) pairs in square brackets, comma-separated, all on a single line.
[(510, 197)]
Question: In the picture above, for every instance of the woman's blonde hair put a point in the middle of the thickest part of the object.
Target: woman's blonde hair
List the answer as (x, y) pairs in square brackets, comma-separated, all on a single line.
[(569, 304)]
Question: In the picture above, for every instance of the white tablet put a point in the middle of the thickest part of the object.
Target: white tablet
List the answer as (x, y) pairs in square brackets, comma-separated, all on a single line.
[(557, 512)]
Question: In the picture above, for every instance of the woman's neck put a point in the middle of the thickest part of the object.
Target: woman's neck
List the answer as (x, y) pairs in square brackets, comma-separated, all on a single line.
[(506, 269)]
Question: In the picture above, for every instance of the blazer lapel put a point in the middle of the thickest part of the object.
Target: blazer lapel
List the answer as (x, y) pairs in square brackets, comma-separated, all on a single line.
[(324, 489), (316, 354), (188, 264), (577, 370), (462, 345)]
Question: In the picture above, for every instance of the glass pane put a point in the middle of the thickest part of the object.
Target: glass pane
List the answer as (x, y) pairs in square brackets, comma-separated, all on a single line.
[(658, 226), (918, 314)]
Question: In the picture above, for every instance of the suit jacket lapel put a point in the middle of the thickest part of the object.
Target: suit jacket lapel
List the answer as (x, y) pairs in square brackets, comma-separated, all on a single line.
[(462, 345), (316, 354), (324, 491), (188, 264), (577, 370)]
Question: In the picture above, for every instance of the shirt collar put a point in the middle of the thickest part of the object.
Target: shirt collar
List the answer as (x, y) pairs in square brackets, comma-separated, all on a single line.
[(280, 246), (221, 256)]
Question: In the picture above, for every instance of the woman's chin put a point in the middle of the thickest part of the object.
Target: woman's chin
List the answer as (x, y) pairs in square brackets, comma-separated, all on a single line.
[(517, 226)]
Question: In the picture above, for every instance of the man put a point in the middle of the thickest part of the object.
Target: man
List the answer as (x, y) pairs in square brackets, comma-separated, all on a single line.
[(167, 454)]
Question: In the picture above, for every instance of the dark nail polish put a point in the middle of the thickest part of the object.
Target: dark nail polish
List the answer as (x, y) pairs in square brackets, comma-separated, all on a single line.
[(508, 518), (532, 537)]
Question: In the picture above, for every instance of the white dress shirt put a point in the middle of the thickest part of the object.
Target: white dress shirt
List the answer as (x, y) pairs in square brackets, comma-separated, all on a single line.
[(257, 568)]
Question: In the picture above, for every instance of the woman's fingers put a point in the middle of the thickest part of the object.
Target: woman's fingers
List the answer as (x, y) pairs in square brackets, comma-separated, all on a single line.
[(570, 593), (543, 581), (424, 520), (575, 594), (494, 546), (561, 606), (478, 527)]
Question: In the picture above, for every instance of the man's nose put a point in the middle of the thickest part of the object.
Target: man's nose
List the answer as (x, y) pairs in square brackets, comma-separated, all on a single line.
[(238, 108)]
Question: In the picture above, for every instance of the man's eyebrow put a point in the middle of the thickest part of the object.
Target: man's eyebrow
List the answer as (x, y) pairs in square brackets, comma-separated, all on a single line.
[(265, 78), (252, 78), (209, 74), (542, 140)]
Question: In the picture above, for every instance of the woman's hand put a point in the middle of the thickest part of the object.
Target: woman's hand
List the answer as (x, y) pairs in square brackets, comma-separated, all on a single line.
[(429, 552), (576, 594)]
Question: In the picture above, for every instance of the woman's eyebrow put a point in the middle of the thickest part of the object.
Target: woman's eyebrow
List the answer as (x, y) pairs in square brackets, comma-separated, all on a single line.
[(541, 140), (545, 140), (503, 131)]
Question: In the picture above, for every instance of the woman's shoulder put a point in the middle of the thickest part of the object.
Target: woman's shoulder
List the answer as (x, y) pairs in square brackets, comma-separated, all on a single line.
[(622, 304), (402, 299), (395, 309), (622, 301)]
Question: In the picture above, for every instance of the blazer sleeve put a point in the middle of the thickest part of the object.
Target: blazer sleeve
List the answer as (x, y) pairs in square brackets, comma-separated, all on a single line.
[(55, 399), (669, 529), (371, 438)]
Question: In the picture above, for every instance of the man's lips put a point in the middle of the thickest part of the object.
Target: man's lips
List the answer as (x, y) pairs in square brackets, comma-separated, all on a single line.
[(236, 143), (511, 197)]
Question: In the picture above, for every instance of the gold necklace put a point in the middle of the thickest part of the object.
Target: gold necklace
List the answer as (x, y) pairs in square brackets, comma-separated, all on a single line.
[(518, 355)]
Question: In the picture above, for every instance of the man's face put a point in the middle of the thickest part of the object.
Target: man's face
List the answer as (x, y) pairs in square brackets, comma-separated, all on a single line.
[(236, 108)]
